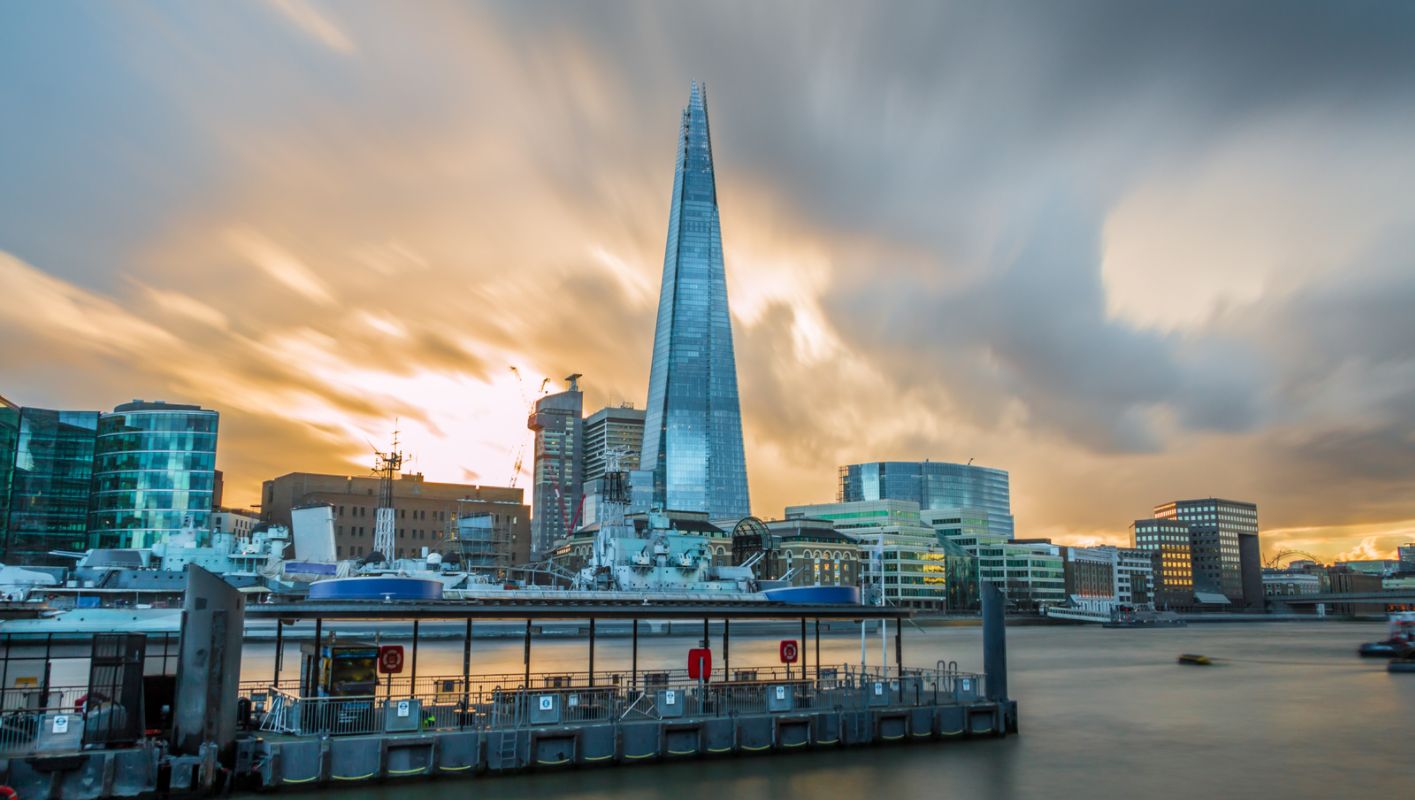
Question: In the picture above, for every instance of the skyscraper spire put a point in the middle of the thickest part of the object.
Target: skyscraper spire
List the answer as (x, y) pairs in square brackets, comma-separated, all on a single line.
[(692, 454)]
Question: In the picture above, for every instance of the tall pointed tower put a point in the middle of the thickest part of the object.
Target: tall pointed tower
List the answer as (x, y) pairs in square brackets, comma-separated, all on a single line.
[(692, 455)]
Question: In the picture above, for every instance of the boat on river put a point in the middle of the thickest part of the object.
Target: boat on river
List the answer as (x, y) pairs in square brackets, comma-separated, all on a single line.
[(1400, 638)]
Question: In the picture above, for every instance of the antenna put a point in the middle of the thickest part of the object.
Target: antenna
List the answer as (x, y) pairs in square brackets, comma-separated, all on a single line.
[(387, 465)]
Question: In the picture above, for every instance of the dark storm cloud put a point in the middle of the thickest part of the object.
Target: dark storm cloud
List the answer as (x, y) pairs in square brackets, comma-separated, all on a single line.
[(926, 191)]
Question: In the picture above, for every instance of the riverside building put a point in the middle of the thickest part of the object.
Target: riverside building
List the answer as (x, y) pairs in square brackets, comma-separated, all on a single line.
[(692, 458), (46, 474), (897, 553), (933, 485), (425, 514), (1168, 542), (154, 472)]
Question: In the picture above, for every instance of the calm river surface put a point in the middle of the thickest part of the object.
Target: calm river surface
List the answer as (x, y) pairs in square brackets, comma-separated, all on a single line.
[(1293, 713)]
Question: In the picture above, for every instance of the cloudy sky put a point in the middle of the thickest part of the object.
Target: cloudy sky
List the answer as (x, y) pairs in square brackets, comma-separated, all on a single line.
[(1128, 251)]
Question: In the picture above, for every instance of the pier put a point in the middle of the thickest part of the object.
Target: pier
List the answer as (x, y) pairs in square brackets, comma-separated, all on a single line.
[(336, 718)]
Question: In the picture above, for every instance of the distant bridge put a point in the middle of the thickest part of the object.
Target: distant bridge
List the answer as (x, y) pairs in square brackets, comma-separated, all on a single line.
[(1392, 596)]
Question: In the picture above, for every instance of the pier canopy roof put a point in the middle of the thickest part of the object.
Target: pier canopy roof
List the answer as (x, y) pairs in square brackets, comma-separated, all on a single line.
[(565, 609)]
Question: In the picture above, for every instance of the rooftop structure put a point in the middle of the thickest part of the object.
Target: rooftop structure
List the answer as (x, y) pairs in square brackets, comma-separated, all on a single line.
[(933, 485)]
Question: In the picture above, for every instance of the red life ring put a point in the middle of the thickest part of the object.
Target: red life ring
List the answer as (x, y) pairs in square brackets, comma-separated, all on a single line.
[(6, 793)]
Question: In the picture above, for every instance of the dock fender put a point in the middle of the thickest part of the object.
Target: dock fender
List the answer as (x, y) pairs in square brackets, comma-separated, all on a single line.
[(297, 763), (719, 736), (825, 729), (554, 748), (950, 722), (983, 720), (921, 723), (891, 726), (598, 744), (792, 732), (458, 753), (639, 742), (755, 734)]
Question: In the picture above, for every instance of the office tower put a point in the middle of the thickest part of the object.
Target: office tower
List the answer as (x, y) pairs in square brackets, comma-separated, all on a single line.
[(154, 473), (559, 465), (1218, 528), (933, 485), (48, 459), (692, 453), (613, 428), (1169, 542)]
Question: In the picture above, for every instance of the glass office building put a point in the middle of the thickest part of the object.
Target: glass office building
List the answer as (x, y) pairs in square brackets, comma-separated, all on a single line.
[(933, 485), (9, 438), (49, 467), (154, 473), (692, 456)]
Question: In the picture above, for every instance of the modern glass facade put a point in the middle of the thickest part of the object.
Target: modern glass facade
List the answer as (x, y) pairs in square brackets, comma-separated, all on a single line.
[(933, 485), (9, 438), (154, 472), (692, 457), (559, 466), (50, 471)]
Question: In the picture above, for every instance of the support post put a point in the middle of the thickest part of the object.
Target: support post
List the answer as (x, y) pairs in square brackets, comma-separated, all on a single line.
[(413, 674), (818, 648), (726, 661), (803, 648), (994, 642), (634, 665), (467, 668), (279, 653), (899, 647), (591, 651), (527, 656)]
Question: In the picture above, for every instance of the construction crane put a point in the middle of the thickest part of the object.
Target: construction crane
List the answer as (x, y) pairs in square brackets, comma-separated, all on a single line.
[(530, 409)]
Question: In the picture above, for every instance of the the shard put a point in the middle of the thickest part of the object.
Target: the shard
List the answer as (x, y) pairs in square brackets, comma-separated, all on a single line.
[(692, 454)]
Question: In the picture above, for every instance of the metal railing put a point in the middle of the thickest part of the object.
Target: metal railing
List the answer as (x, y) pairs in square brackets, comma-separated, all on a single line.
[(496, 703), (33, 719)]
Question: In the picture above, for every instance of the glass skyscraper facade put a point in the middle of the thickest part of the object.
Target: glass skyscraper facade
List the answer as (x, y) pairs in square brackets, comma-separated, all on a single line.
[(692, 457), (49, 471), (559, 465), (154, 472), (9, 438), (933, 485)]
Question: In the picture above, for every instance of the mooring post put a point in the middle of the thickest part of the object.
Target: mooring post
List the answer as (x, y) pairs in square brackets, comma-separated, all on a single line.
[(591, 651), (527, 656), (994, 642)]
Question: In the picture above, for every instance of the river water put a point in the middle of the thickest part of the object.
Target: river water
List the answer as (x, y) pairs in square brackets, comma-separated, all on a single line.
[(1289, 712)]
